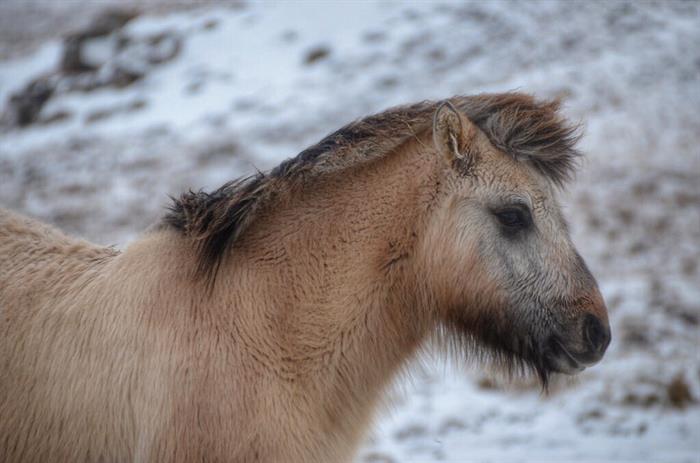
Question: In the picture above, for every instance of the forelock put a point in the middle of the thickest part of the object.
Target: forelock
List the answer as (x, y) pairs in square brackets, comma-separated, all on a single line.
[(527, 129)]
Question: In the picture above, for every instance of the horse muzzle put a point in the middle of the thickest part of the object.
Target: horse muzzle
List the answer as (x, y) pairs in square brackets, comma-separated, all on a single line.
[(573, 354)]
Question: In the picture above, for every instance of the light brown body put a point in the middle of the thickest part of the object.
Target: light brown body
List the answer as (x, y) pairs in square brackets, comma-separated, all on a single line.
[(127, 356), (168, 371)]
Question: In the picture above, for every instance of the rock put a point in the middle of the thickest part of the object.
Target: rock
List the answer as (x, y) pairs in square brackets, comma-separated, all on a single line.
[(121, 77), (163, 47), (411, 431), (317, 54), (210, 24), (99, 115), (99, 55), (679, 394), (105, 113), (73, 58), (25, 105), (117, 60), (54, 117), (487, 383)]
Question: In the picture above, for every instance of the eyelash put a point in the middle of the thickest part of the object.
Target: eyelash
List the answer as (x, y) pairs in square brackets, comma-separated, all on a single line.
[(514, 218)]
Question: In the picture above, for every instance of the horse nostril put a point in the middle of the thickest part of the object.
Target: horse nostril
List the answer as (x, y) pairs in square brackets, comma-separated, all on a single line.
[(596, 334)]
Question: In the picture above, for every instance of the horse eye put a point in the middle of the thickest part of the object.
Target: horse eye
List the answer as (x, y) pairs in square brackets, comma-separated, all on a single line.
[(513, 218)]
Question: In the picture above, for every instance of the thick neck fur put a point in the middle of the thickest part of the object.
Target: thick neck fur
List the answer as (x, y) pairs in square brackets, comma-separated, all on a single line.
[(319, 305), (314, 310)]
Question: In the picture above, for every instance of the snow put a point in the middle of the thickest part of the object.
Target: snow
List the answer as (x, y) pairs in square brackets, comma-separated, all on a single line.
[(513, 426), (241, 95)]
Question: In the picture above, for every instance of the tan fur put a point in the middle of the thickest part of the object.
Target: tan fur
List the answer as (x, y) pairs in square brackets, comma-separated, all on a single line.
[(282, 357)]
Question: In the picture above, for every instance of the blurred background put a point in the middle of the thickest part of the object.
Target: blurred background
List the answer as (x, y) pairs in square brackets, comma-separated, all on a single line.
[(108, 106)]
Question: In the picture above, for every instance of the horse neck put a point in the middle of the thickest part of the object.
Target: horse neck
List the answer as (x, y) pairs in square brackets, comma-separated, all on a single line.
[(338, 304)]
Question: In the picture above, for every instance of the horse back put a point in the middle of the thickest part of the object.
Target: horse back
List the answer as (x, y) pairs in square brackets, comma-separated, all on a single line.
[(49, 330), (33, 253)]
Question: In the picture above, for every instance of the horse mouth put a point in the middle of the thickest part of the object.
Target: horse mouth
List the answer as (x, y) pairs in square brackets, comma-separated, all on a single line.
[(559, 359)]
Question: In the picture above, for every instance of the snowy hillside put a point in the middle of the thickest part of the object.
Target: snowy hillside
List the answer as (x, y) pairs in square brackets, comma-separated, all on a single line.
[(176, 98)]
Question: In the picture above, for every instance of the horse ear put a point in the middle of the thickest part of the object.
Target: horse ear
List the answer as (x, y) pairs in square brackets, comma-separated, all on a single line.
[(452, 132)]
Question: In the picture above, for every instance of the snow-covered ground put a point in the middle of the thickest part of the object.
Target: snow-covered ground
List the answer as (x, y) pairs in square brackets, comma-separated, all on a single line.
[(252, 84)]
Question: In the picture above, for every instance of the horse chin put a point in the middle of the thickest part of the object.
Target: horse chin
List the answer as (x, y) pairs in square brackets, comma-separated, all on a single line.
[(543, 360), (563, 366), (559, 360), (519, 355)]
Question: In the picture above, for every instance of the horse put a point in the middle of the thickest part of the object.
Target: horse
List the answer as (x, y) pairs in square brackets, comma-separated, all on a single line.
[(264, 321)]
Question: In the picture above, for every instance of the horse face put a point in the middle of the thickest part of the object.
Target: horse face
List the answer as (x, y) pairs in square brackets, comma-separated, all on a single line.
[(511, 278)]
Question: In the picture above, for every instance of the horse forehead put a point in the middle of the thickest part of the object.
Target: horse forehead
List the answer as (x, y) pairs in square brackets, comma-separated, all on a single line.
[(502, 172)]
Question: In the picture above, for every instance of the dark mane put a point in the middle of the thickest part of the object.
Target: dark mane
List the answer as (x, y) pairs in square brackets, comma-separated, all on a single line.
[(516, 123)]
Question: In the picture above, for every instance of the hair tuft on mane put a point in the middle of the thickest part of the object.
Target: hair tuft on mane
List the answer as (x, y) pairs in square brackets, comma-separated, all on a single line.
[(528, 130), (214, 220)]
